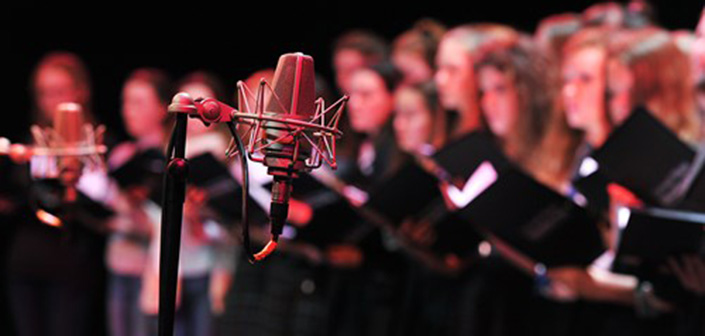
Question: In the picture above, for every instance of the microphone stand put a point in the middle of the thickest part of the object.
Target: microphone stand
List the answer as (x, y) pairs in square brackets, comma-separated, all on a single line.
[(172, 216), (209, 111), (175, 178)]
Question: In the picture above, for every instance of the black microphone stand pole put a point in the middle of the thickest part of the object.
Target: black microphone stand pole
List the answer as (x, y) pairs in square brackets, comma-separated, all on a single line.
[(172, 216)]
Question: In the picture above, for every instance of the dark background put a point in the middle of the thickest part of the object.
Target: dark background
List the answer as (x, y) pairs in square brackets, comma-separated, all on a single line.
[(230, 40)]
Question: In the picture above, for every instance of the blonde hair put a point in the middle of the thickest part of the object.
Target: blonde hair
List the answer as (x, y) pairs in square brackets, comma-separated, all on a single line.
[(476, 38), (662, 77), (553, 33), (591, 37)]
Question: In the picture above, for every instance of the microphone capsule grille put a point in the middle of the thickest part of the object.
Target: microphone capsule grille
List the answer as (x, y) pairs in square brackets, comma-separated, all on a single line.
[(294, 84), (69, 124)]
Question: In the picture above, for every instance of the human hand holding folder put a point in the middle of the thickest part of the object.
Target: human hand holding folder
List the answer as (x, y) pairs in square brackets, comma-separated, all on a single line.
[(344, 256), (420, 232), (300, 213), (623, 196), (690, 271)]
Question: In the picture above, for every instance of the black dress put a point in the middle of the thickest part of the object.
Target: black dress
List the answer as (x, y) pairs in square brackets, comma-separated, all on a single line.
[(56, 275), (367, 300)]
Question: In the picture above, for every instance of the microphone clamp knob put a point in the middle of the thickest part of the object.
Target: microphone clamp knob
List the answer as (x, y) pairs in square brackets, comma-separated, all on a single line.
[(210, 112)]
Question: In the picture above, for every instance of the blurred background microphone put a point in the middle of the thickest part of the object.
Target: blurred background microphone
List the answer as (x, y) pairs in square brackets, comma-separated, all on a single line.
[(60, 154), (70, 140), (66, 148)]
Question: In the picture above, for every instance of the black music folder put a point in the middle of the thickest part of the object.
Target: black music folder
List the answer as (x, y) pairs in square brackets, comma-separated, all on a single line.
[(224, 192), (590, 185), (142, 168), (407, 193), (650, 160), (48, 194), (334, 218), (412, 193), (650, 236), (455, 235), (461, 157), (538, 222)]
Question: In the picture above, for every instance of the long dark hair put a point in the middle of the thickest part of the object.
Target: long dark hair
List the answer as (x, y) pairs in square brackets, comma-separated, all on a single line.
[(72, 65), (422, 39), (162, 85), (440, 123), (542, 142), (536, 89), (157, 79), (373, 47), (207, 79), (350, 147)]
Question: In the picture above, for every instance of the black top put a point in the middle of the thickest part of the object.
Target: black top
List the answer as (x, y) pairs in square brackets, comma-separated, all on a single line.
[(71, 253)]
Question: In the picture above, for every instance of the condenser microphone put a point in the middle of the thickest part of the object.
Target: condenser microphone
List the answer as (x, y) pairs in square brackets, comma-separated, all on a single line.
[(286, 152), (290, 132), (60, 151), (68, 141), (68, 125), (69, 136)]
